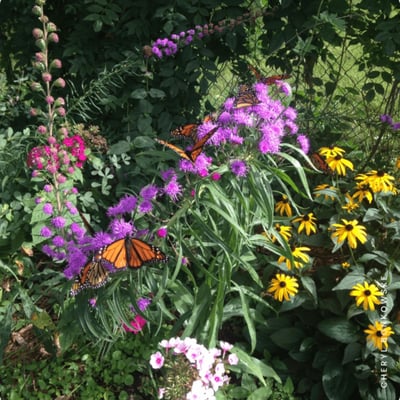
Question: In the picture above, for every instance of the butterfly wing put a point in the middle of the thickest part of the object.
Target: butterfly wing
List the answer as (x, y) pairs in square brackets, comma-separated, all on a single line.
[(197, 148), (255, 72), (116, 254), (187, 131), (140, 252), (320, 163), (93, 275), (271, 80), (246, 97), (182, 153)]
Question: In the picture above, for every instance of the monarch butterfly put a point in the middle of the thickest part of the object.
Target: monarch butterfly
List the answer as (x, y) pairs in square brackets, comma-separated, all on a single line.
[(246, 97), (195, 151), (133, 253), (268, 80), (188, 131), (320, 163), (93, 275)]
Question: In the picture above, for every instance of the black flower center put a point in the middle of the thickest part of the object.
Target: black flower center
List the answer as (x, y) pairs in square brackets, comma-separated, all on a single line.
[(349, 227), (379, 333), (282, 284), (367, 292), (306, 218)]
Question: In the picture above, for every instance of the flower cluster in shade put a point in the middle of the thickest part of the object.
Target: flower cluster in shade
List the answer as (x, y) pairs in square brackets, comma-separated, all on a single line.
[(138, 322), (169, 46), (268, 124), (187, 364), (387, 119)]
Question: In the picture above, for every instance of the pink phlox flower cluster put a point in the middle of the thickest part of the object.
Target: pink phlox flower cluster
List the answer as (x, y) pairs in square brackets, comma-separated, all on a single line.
[(76, 146), (210, 364)]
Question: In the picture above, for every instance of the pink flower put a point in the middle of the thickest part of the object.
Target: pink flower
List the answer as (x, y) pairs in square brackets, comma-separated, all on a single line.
[(216, 176), (233, 359), (156, 360), (162, 232), (137, 325)]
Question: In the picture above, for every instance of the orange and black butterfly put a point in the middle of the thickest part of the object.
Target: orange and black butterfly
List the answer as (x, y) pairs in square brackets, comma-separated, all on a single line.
[(320, 163), (132, 253), (195, 151), (246, 97), (93, 275), (187, 131), (268, 80)]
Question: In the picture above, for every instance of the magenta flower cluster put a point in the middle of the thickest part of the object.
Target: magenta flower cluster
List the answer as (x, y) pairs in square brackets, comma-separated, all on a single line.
[(209, 365)]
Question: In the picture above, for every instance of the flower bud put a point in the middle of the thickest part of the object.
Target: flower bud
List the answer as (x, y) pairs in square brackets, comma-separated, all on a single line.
[(41, 44), (51, 27), (46, 77), (37, 33), (49, 99), (60, 102), (39, 56), (44, 19), (36, 87), (59, 83), (33, 112), (61, 111), (53, 37), (63, 132), (36, 10), (39, 66), (51, 140), (56, 63), (40, 2), (41, 129)]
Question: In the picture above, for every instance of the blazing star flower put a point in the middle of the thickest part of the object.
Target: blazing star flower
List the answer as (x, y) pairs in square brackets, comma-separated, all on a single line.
[(304, 143), (149, 192), (145, 207), (143, 303), (173, 189), (120, 228), (46, 232), (162, 232), (307, 223), (367, 295), (48, 209), (239, 168), (363, 191), (339, 164), (283, 287), (283, 206), (378, 335), (350, 231), (126, 205), (58, 222), (299, 256)]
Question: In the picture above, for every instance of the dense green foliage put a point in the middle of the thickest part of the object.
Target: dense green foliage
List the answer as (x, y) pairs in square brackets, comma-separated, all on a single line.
[(342, 58)]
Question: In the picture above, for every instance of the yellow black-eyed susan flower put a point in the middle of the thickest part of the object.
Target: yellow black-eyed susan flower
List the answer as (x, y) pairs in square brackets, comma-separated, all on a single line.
[(331, 151), (350, 231), (378, 335), (350, 205), (367, 295), (339, 164), (323, 190), (283, 207), (363, 191), (299, 256), (283, 287), (307, 223)]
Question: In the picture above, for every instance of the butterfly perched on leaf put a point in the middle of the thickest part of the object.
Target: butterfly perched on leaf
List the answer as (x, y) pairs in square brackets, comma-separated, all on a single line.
[(195, 151), (320, 163), (132, 253), (93, 275), (268, 80), (246, 97)]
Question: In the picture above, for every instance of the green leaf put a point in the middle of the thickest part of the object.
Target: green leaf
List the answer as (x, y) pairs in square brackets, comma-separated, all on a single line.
[(255, 367), (349, 281), (156, 93), (337, 382), (263, 393), (139, 94), (340, 329), (288, 338)]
